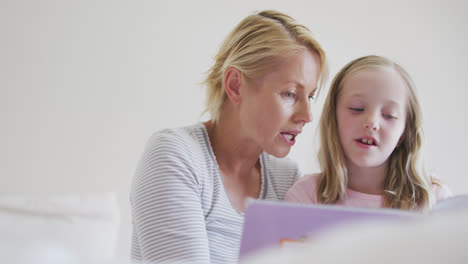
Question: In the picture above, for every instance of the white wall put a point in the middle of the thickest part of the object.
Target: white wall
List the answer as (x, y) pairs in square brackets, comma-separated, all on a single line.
[(83, 84)]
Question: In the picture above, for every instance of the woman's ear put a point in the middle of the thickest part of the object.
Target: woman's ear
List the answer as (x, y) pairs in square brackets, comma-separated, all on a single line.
[(232, 84)]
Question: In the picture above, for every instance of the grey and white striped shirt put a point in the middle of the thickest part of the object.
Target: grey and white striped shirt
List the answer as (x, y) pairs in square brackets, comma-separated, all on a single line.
[(181, 212)]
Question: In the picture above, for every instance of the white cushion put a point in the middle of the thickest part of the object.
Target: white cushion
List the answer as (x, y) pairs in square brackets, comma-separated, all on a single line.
[(58, 228)]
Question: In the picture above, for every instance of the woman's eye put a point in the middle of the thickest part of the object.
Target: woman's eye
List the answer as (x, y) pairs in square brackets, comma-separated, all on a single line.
[(290, 95)]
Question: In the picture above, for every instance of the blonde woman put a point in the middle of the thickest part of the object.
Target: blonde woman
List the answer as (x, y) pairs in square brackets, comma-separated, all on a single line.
[(190, 187), (371, 141)]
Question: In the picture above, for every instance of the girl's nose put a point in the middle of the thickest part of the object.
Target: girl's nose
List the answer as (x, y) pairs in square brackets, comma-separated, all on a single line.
[(371, 122), (370, 125)]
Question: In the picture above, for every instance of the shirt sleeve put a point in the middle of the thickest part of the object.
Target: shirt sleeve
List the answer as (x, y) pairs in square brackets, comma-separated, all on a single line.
[(168, 219)]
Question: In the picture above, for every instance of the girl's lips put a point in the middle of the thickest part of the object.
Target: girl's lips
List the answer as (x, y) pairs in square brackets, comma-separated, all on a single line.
[(363, 145), (368, 140)]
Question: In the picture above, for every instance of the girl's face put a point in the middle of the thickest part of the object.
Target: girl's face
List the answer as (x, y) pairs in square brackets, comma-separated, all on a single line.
[(371, 116), (275, 108)]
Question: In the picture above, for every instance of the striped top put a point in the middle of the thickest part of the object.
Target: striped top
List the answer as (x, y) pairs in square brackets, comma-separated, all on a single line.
[(181, 211)]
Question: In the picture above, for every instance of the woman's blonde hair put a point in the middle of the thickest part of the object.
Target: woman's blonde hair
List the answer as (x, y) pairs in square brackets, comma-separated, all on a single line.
[(407, 185), (253, 47)]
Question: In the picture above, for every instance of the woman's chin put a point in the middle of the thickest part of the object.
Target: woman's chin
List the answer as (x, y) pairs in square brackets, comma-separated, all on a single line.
[(280, 153)]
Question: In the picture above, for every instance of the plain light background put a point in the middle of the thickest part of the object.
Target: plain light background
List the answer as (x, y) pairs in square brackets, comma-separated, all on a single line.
[(83, 84)]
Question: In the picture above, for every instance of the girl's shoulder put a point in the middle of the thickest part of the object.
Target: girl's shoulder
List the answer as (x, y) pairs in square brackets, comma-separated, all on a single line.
[(304, 190), (309, 179)]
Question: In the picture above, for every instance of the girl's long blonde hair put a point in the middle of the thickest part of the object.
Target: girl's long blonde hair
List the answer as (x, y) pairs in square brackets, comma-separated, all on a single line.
[(407, 185)]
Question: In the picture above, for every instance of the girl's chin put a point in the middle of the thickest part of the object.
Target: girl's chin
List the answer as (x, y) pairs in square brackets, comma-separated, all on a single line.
[(368, 164)]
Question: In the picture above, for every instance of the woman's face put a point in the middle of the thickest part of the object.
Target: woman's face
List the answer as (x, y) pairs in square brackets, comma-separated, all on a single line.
[(275, 107)]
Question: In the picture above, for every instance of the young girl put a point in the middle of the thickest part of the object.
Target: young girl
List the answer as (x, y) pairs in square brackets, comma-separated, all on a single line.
[(371, 141)]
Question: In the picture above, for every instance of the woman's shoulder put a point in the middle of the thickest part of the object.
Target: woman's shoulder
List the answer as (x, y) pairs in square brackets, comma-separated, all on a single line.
[(186, 133), (174, 155), (181, 138), (184, 146)]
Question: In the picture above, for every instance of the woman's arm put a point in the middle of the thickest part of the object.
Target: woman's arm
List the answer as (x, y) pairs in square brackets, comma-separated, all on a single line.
[(168, 220)]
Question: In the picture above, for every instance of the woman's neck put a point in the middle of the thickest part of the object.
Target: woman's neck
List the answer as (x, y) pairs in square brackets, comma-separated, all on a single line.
[(370, 180), (238, 161), (234, 152)]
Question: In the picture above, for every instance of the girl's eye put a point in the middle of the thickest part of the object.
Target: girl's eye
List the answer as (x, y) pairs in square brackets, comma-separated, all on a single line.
[(356, 109), (311, 97), (389, 116)]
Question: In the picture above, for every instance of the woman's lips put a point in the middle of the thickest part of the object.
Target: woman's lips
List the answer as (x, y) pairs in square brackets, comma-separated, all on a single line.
[(289, 137)]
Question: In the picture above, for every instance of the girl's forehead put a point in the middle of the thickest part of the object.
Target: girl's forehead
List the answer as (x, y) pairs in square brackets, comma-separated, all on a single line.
[(381, 82)]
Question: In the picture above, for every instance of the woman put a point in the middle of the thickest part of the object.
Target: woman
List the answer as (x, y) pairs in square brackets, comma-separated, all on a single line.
[(189, 191)]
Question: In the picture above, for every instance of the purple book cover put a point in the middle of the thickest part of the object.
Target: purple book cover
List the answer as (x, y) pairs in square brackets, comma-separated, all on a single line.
[(267, 223)]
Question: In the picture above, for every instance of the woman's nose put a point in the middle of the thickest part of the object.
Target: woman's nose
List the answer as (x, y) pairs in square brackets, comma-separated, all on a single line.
[(304, 113)]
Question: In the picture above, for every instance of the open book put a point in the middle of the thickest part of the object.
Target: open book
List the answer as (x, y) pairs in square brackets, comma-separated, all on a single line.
[(279, 224)]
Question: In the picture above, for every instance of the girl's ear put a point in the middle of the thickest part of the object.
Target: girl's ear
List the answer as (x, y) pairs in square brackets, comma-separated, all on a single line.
[(232, 84)]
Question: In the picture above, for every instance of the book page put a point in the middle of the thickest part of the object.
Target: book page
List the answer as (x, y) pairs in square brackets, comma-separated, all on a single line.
[(281, 224)]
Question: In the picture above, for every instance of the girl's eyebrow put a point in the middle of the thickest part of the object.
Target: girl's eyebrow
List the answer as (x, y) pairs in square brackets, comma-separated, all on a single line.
[(387, 101), (354, 95), (393, 102)]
